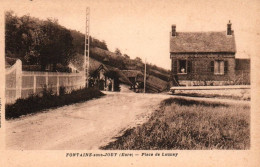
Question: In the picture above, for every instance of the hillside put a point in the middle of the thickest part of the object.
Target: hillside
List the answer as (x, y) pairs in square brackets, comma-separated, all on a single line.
[(157, 77), (45, 43), (154, 83)]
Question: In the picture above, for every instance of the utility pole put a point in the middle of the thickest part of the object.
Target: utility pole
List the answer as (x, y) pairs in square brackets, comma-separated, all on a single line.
[(86, 51), (144, 75)]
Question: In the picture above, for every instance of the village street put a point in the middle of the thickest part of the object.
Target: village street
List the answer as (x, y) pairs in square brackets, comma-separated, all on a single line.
[(86, 125)]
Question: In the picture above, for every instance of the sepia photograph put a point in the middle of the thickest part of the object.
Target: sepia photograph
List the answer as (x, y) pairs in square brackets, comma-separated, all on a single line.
[(69, 89), (129, 76)]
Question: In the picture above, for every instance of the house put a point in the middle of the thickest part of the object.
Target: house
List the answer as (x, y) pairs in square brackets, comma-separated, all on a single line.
[(106, 77), (101, 79), (203, 58), (153, 84), (136, 78), (73, 68)]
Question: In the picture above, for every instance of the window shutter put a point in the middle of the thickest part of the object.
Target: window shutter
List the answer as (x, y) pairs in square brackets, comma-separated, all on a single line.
[(212, 66), (189, 67), (225, 66), (221, 67), (174, 66)]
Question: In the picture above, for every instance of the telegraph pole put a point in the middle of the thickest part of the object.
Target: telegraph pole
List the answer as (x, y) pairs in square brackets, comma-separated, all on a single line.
[(86, 51), (144, 75)]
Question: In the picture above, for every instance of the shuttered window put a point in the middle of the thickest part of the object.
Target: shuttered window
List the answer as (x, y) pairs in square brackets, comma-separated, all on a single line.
[(189, 67), (219, 67), (182, 66), (225, 66), (212, 66), (174, 66)]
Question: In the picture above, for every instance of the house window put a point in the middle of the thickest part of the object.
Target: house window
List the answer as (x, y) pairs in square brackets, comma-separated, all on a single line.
[(184, 67), (219, 67)]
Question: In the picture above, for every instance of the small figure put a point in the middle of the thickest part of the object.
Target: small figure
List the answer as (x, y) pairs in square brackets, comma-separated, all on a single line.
[(182, 70)]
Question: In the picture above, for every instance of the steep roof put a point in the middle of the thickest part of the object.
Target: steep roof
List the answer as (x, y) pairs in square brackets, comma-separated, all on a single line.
[(202, 42)]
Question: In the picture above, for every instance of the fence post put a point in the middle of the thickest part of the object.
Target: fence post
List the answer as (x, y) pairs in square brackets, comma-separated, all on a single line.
[(18, 79), (58, 85), (242, 77), (34, 84), (46, 80)]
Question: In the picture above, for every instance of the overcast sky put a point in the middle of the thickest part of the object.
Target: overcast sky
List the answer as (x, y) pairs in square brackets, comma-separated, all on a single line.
[(142, 28)]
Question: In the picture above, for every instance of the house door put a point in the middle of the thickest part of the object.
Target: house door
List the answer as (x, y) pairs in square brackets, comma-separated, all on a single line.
[(101, 85)]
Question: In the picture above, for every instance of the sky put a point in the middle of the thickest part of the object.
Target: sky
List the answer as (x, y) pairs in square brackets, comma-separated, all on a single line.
[(142, 28)]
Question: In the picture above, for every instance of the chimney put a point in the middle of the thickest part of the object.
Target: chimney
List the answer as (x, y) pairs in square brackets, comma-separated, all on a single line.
[(229, 31), (173, 30)]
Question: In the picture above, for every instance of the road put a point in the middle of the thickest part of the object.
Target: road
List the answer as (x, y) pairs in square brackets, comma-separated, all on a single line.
[(86, 125)]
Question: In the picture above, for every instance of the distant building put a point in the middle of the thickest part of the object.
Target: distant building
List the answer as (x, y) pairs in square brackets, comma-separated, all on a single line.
[(105, 77), (136, 78), (203, 58)]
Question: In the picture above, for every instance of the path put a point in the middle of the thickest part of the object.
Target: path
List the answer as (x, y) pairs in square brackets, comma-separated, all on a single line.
[(86, 125)]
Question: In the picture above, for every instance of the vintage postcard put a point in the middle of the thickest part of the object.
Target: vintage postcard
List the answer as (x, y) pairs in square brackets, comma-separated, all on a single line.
[(129, 83)]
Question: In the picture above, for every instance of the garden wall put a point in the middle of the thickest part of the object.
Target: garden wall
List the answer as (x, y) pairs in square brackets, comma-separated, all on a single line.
[(21, 84)]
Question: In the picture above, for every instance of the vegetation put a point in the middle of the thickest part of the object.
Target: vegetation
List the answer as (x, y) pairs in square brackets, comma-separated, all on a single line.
[(37, 42), (36, 103), (215, 96), (99, 52), (40, 43), (118, 52), (43, 42), (79, 41), (188, 124)]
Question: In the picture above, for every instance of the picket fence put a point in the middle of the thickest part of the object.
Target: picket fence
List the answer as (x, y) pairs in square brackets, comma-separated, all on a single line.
[(22, 84)]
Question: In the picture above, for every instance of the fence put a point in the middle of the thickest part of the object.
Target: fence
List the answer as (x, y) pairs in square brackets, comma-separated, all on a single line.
[(21, 84)]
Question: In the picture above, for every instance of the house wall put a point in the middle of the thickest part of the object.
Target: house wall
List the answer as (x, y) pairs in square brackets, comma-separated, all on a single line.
[(200, 69)]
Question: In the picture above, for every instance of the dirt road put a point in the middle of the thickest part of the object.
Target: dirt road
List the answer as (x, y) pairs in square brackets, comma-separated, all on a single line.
[(86, 125)]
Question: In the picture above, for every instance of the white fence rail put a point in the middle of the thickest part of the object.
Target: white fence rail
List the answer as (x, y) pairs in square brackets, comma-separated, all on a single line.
[(22, 84)]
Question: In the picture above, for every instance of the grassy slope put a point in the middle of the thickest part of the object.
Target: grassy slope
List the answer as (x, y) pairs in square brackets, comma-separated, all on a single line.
[(238, 94), (213, 96), (157, 80), (182, 124), (159, 76)]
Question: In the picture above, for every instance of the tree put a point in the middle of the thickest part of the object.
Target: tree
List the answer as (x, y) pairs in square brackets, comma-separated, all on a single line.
[(104, 45), (37, 42), (55, 45), (138, 59), (118, 52), (18, 35), (126, 56)]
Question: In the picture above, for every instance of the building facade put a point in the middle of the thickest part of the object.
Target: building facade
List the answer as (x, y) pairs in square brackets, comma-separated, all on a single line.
[(203, 58)]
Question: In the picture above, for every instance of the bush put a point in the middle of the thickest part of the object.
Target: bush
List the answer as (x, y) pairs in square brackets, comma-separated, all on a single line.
[(62, 90), (36, 103)]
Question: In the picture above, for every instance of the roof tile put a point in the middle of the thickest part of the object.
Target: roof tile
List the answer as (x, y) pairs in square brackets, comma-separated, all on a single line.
[(202, 42)]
